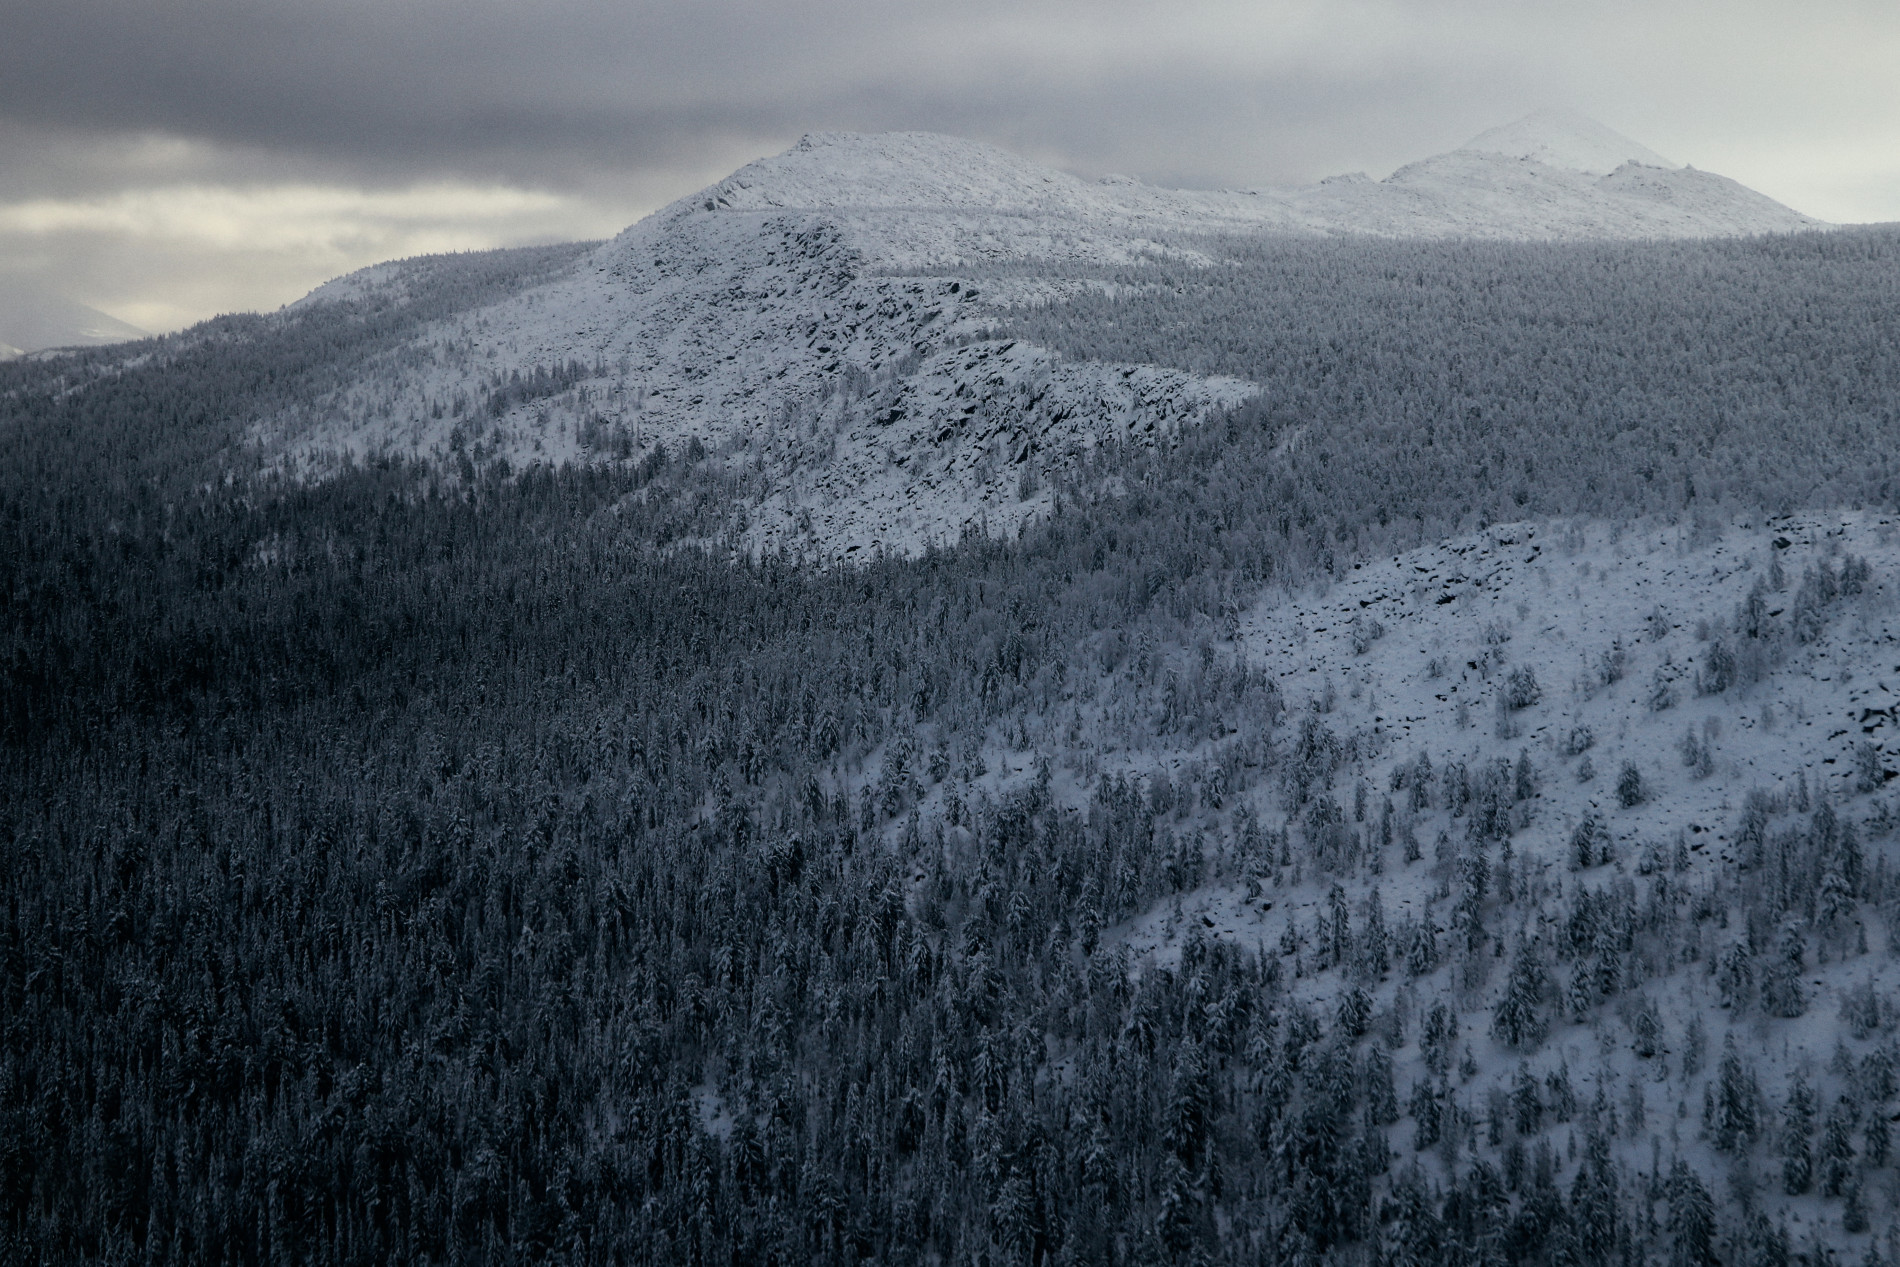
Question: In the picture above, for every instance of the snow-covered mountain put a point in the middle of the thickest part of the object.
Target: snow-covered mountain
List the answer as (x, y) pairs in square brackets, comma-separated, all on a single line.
[(814, 318), (32, 318), (1559, 138)]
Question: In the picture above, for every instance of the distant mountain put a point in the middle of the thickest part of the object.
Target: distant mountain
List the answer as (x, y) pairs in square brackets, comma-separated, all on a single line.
[(830, 310), (32, 319), (1561, 138), (1548, 175)]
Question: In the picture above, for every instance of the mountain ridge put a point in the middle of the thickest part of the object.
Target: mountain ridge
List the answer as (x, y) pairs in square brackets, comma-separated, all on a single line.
[(1562, 138), (896, 172), (810, 314)]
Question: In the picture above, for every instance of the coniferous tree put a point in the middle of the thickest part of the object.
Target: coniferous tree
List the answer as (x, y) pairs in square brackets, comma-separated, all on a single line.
[(1691, 1219), (1527, 1105), (1797, 1124), (1630, 788), (1735, 1122), (1877, 1140), (1837, 1149), (1519, 1019)]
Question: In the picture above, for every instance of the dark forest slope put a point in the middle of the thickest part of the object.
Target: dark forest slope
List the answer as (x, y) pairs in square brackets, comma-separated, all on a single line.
[(456, 866)]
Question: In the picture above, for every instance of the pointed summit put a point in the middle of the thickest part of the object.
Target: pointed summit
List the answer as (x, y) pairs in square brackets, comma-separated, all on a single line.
[(1566, 139)]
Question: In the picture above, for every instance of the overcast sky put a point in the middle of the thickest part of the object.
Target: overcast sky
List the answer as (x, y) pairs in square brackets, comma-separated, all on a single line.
[(164, 162)]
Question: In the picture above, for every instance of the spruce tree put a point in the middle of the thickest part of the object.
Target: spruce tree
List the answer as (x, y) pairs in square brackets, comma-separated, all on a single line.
[(1735, 1121), (1797, 1123), (1837, 1149), (1519, 1019), (1691, 1219), (1527, 1105)]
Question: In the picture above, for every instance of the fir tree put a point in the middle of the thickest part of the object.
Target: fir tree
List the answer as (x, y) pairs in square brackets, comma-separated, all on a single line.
[(1735, 1120), (1691, 1219), (1797, 1123), (1837, 1149), (1583, 843), (1877, 1140), (1527, 1105), (1630, 789), (1519, 1018)]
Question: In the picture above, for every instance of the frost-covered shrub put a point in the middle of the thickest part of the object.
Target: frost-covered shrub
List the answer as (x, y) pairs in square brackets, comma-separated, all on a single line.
[(1611, 664), (1662, 691), (1855, 575), (1718, 668)]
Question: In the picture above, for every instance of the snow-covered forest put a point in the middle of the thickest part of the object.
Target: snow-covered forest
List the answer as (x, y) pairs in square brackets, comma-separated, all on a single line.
[(1434, 808)]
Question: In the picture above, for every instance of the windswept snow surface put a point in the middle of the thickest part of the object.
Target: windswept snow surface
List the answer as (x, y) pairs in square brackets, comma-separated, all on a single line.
[(812, 320)]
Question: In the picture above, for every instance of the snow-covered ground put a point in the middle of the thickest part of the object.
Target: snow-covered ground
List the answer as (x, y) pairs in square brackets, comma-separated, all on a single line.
[(806, 316), (1454, 623)]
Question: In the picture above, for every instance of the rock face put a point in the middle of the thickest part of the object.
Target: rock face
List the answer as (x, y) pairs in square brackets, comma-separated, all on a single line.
[(816, 319)]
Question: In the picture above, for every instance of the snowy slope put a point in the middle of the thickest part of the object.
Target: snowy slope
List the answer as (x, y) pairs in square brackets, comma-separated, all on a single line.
[(806, 317), (1560, 138), (1460, 616), (1458, 619)]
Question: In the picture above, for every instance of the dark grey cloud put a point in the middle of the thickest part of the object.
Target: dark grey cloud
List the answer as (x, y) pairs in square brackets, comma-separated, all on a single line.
[(611, 108), (483, 87)]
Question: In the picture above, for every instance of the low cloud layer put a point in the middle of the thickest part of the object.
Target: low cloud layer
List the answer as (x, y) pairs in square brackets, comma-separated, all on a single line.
[(165, 163)]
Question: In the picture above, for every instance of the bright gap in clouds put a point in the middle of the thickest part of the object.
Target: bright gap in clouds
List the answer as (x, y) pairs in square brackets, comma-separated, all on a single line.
[(164, 164), (167, 255)]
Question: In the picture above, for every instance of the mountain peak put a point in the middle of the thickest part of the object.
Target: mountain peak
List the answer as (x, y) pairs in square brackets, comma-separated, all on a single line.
[(1566, 139), (891, 169)]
